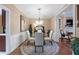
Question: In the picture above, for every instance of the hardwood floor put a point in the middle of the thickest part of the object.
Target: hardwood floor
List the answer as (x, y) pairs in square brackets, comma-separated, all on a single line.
[(17, 51), (64, 48)]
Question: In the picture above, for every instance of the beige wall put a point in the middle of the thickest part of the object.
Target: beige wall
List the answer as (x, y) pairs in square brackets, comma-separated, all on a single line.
[(0, 20), (48, 24), (26, 24), (15, 18), (77, 32), (77, 29), (1, 29), (52, 21), (77, 18)]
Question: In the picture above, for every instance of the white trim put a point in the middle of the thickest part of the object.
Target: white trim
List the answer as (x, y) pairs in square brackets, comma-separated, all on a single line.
[(3, 7), (7, 34), (2, 34), (74, 20), (73, 52), (57, 30), (62, 9)]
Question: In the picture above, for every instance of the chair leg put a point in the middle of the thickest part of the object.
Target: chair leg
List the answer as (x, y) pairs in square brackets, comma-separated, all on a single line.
[(42, 49), (44, 42), (34, 42), (28, 42), (35, 49), (51, 42)]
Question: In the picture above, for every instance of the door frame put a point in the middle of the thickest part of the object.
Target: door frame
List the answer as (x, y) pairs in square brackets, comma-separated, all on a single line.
[(8, 28)]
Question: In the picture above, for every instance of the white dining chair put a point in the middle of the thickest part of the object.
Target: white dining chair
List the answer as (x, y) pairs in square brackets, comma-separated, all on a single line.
[(30, 39), (49, 38)]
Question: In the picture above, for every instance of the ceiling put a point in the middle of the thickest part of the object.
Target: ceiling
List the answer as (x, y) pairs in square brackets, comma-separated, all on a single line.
[(68, 12), (47, 10)]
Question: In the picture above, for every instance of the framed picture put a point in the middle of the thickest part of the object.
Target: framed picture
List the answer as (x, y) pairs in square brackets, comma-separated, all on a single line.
[(22, 23)]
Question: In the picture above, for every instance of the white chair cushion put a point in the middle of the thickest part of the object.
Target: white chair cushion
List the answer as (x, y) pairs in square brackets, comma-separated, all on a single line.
[(39, 31), (29, 38), (50, 36), (32, 38), (47, 38)]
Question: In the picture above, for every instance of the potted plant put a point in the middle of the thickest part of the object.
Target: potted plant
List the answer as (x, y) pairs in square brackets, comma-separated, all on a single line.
[(75, 45), (30, 29)]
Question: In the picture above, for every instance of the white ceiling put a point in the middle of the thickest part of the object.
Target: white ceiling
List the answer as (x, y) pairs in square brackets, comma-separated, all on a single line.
[(68, 11), (47, 10)]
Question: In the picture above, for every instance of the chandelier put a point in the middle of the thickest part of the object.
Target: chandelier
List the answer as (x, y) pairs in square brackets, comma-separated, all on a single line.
[(39, 9), (39, 22)]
